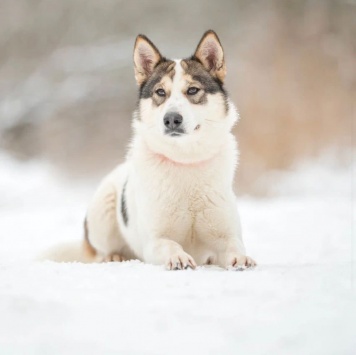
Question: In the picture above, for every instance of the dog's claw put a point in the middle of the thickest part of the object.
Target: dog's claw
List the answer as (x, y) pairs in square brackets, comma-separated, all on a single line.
[(241, 263), (180, 261), (178, 266)]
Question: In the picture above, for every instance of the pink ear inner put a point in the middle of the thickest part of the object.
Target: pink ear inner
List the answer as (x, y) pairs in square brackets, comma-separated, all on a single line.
[(210, 54), (146, 59)]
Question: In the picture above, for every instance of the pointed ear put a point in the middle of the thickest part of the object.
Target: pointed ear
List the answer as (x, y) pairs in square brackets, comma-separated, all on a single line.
[(146, 57), (210, 53)]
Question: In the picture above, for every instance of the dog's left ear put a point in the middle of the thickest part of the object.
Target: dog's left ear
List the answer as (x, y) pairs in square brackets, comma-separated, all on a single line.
[(210, 53), (146, 57)]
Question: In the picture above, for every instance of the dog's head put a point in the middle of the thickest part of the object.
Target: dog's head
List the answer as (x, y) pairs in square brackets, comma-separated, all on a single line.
[(183, 112)]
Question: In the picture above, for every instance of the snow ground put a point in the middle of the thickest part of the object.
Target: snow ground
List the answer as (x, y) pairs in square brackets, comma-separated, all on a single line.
[(298, 301)]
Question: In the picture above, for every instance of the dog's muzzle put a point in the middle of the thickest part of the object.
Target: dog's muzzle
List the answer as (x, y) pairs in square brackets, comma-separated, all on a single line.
[(173, 124)]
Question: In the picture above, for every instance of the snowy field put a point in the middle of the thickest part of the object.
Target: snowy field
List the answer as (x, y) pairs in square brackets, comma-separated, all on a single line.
[(300, 299)]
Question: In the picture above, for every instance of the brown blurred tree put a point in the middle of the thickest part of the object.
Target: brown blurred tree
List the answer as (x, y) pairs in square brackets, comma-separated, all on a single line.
[(67, 88)]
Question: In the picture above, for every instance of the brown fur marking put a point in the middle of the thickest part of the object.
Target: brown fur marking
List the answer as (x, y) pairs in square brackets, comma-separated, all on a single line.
[(88, 248)]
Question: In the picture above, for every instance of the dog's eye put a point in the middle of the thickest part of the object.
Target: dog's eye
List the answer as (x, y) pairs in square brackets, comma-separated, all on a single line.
[(192, 91), (160, 92)]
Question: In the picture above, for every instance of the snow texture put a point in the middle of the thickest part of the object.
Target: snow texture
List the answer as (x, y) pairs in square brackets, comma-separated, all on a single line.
[(300, 299)]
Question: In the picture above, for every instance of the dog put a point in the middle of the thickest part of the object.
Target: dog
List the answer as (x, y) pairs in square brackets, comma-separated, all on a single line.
[(171, 202)]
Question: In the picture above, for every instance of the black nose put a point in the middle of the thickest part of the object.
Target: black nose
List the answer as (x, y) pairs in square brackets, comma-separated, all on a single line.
[(172, 120)]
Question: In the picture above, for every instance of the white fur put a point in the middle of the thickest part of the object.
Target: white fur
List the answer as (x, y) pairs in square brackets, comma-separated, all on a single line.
[(180, 203)]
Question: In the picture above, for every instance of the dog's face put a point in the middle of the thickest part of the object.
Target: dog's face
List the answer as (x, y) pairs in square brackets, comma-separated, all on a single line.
[(183, 112)]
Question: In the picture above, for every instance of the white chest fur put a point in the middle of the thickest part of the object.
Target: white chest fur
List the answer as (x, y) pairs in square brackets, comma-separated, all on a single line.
[(190, 204)]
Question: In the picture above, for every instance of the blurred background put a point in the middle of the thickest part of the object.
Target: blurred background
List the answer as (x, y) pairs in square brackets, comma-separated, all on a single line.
[(67, 89)]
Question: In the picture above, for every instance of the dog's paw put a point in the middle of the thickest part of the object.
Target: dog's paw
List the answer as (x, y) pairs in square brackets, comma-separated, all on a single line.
[(180, 261), (240, 262)]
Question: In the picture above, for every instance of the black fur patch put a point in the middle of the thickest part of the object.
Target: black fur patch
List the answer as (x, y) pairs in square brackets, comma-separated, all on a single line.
[(192, 67), (146, 89), (124, 213), (210, 84), (196, 70)]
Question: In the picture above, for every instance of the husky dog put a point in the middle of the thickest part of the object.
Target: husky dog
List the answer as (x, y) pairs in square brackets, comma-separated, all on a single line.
[(172, 201)]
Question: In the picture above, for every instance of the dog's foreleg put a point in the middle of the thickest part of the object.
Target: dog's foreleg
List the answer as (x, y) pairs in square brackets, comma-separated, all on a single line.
[(169, 253), (233, 255)]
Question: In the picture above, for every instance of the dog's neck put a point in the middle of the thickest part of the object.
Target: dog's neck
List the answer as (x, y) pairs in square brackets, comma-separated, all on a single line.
[(220, 165), (164, 159), (223, 157)]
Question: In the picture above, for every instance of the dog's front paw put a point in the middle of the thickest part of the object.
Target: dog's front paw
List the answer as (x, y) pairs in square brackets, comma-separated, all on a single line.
[(180, 261), (240, 262)]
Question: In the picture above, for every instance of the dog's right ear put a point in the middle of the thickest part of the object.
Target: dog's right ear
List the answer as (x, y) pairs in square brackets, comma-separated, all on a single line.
[(146, 57), (210, 53)]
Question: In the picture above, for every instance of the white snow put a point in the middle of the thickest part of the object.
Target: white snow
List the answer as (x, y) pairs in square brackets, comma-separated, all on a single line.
[(300, 300)]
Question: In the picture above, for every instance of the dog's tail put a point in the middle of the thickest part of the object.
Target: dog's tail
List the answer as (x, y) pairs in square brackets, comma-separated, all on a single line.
[(79, 251)]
